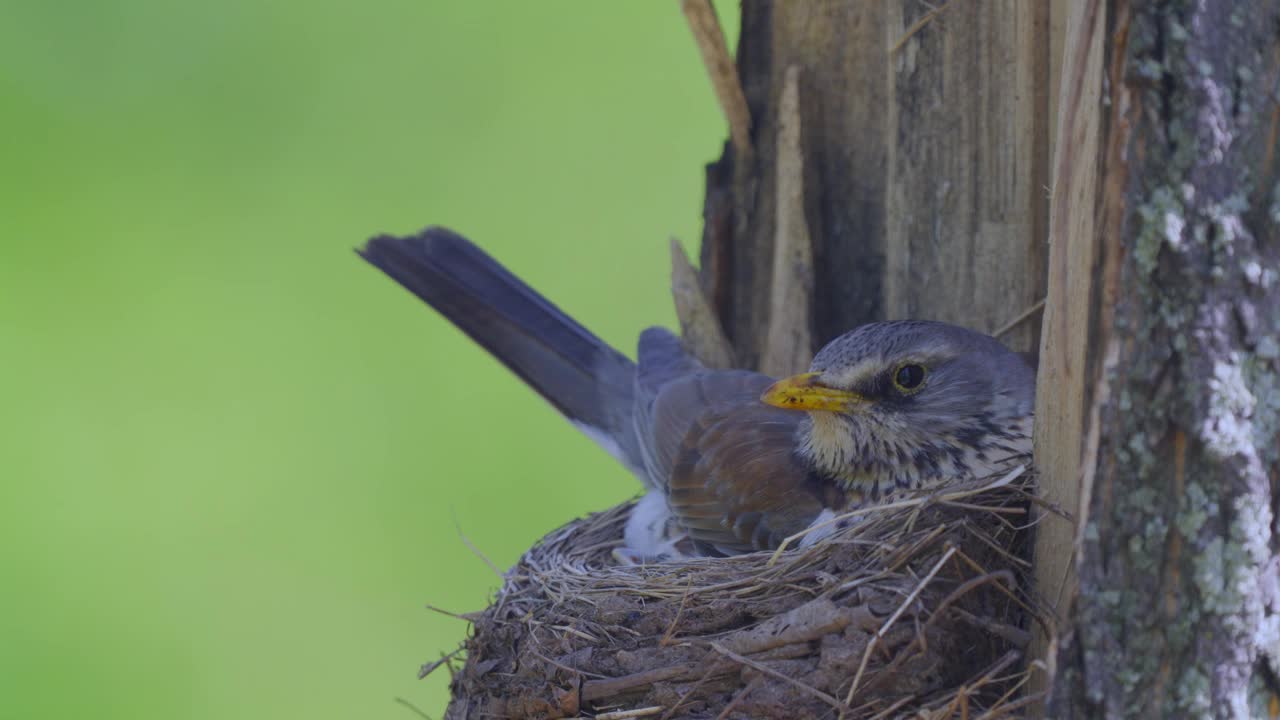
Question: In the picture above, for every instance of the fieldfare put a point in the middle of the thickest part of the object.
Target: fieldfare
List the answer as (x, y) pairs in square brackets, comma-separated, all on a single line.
[(734, 461)]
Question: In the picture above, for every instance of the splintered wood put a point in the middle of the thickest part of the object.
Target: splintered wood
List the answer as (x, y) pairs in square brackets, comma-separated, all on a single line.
[(699, 328), (1066, 374), (705, 25), (788, 346)]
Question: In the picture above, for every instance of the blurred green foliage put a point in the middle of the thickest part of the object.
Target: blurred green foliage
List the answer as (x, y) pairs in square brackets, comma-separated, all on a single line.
[(234, 460)]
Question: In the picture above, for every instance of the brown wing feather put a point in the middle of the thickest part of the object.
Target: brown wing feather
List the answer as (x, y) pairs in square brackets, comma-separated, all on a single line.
[(733, 481)]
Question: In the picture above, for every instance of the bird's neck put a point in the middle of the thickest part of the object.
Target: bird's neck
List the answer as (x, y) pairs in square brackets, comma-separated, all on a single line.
[(843, 453), (870, 461)]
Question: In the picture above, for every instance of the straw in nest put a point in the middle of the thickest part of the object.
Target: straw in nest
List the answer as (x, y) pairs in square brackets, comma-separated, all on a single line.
[(919, 609)]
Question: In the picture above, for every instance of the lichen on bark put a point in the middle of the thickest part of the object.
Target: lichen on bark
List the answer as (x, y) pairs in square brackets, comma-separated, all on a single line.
[(1175, 615)]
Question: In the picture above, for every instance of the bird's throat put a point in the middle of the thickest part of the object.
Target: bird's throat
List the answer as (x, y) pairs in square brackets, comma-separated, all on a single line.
[(837, 448), (871, 458), (828, 444)]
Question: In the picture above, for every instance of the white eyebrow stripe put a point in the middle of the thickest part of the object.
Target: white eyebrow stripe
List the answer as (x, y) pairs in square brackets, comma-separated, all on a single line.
[(869, 367)]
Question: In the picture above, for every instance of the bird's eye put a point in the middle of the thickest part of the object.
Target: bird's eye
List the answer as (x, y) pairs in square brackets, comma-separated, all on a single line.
[(909, 378)]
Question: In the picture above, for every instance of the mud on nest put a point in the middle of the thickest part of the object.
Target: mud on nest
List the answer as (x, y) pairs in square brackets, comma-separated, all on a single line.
[(919, 609)]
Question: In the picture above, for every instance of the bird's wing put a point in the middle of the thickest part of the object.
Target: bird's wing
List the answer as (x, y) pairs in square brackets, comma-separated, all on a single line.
[(661, 358), (731, 475)]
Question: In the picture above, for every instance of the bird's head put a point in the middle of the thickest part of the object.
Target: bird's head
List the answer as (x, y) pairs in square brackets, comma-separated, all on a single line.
[(905, 404)]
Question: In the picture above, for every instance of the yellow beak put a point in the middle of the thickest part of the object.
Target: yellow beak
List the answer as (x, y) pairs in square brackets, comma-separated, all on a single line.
[(804, 392)]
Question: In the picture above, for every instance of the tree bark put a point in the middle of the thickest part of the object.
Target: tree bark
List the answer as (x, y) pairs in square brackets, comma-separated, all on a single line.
[(1162, 327), (928, 139)]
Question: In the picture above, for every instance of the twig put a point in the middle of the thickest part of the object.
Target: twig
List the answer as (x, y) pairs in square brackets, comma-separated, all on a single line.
[(917, 26), (962, 695), (887, 712), (779, 676), (1000, 705), (465, 617), (671, 629), (788, 344), (414, 708), (1012, 707), (597, 689), (429, 668), (985, 540), (475, 550), (802, 624), (967, 587), (902, 556), (575, 631), (1014, 636), (986, 508), (562, 666), (1023, 316), (712, 669), (702, 19), (624, 714), (1050, 507), (1007, 592), (875, 640), (739, 697)]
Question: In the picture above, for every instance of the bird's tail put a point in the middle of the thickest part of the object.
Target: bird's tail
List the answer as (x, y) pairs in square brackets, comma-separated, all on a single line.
[(582, 376)]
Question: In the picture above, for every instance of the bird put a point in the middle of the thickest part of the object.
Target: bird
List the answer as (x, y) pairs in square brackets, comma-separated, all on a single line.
[(734, 461)]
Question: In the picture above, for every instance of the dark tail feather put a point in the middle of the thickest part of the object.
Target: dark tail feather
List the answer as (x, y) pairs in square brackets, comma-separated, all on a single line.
[(582, 376)]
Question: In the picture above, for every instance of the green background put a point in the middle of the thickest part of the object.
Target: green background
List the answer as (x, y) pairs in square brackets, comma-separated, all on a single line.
[(235, 459)]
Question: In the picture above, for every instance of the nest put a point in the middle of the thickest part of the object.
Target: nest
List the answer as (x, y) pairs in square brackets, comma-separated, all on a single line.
[(919, 609)]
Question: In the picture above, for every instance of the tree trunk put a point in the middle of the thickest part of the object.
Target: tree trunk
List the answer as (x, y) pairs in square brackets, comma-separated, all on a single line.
[(926, 137), (1161, 331)]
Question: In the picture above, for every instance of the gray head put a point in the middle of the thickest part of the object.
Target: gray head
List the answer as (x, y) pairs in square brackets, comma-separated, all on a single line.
[(911, 403)]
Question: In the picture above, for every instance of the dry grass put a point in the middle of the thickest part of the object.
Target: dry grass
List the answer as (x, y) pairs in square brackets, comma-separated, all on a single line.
[(920, 609)]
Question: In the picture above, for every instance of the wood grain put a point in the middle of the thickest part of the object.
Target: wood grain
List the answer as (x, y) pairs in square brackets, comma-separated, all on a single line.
[(925, 166), (1064, 380), (788, 347), (839, 49), (968, 151)]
